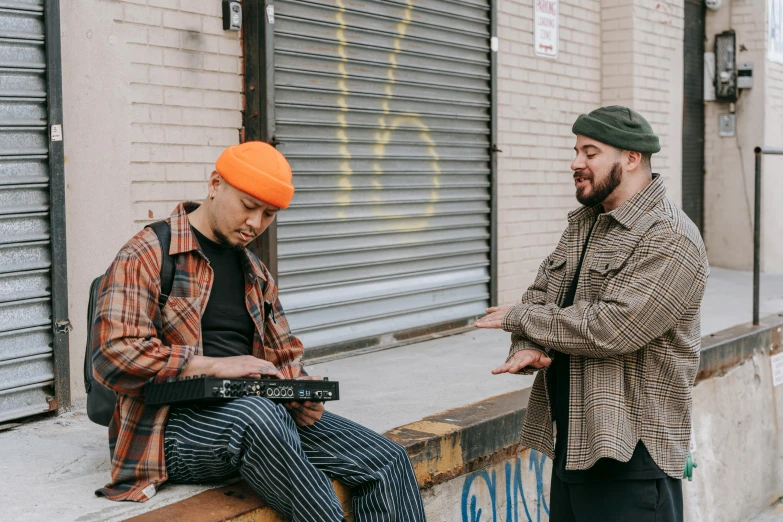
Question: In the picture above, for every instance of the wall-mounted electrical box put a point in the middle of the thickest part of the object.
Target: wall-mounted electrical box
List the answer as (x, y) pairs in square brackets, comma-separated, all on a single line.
[(727, 125), (745, 75), (726, 66), (232, 15)]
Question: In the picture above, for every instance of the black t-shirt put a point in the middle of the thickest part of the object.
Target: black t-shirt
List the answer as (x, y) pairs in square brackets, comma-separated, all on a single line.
[(226, 326), (641, 465)]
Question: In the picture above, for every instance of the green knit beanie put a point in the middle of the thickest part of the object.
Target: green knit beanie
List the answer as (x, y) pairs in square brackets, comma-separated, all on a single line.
[(619, 127)]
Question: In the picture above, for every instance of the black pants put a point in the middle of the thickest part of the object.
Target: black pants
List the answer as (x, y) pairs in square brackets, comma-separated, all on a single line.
[(655, 500)]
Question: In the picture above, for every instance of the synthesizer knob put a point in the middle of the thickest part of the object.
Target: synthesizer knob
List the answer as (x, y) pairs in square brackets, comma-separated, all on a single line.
[(203, 375), (171, 379)]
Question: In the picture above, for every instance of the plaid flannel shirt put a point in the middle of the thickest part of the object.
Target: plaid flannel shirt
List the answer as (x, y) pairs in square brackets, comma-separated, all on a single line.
[(133, 353), (633, 332)]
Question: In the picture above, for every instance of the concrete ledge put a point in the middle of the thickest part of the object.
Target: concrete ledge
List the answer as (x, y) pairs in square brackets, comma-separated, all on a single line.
[(235, 502), (728, 348), (462, 442), (441, 447)]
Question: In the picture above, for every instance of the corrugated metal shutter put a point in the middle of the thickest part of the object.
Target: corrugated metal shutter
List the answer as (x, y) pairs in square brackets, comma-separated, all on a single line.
[(26, 362), (383, 108), (693, 113)]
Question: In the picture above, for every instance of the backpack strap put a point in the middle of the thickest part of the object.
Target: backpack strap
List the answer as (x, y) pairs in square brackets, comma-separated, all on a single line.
[(162, 229)]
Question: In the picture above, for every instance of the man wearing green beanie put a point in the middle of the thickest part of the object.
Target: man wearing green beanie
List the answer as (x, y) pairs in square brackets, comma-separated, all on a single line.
[(612, 326)]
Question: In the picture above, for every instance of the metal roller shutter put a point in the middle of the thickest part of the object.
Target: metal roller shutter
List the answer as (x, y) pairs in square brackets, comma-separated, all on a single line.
[(26, 359), (383, 109)]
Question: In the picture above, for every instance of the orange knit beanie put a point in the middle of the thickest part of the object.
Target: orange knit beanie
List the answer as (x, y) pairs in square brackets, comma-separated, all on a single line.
[(258, 169)]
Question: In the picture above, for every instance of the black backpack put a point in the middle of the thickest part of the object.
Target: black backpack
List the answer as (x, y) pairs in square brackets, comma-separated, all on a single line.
[(101, 401)]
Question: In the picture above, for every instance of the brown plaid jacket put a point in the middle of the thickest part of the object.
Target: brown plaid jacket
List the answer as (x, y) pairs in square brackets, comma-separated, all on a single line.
[(131, 352), (633, 332)]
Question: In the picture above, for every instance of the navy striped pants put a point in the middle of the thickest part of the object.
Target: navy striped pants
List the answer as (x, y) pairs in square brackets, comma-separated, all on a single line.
[(290, 466)]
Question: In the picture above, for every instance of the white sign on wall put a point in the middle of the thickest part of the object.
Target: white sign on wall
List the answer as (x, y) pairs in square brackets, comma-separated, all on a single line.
[(775, 32), (777, 369), (545, 16)]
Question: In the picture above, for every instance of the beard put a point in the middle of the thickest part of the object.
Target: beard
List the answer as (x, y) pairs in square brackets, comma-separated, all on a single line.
[(601, 189), (225, 242)]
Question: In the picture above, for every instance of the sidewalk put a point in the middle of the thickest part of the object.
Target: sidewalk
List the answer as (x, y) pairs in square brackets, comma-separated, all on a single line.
[(728, 299), (51, 467), (56, 464)]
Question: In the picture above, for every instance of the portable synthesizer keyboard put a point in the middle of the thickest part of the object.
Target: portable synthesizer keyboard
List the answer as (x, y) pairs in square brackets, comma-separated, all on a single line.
[(209, 389)]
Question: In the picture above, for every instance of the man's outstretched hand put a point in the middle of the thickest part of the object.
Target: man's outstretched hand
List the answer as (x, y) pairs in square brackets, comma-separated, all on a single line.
[(494, 317), (524, 359)]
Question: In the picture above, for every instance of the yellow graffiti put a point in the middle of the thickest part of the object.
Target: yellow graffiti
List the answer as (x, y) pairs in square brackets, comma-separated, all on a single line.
[(387, 125), (344, 197)]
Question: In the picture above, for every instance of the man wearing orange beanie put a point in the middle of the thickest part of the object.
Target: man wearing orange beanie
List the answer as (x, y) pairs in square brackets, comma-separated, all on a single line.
[(222, 318)]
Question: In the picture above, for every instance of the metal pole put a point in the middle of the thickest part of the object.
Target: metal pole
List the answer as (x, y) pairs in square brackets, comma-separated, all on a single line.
[(757, 238), (757, 227), (59, 270)]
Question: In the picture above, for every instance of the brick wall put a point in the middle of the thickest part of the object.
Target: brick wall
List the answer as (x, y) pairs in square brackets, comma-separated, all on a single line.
[(151, 96), (185, 89), (538, 101), (658, 91), (642, 68), (626, 52)]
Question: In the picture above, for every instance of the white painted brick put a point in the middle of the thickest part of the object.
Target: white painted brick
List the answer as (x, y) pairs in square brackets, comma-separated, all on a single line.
[(222, 63), (183, 59), (202, 154), (144, 54), (138, 73), (147, 172), (166, 76), (141, 113), (132, 33), (201, 80), (183, 97), (187, 172), (198, 41), (231, 47), (143, 191), (195, 191), (181, 20), (166, 154), (213, 25), (209, 8), (222, 100), (148, 94), (168, 4), (539, 100), (141, 133), (147, 210), (166, 115), (142, 15), (164, 37), (140, 153), (212, 117), (182, 135), (231, 82)]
